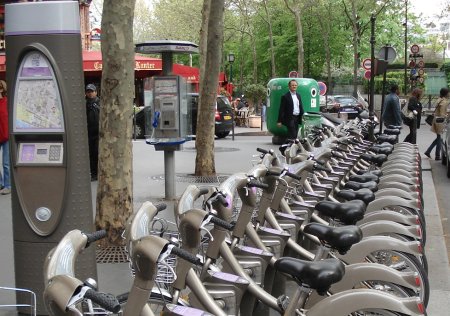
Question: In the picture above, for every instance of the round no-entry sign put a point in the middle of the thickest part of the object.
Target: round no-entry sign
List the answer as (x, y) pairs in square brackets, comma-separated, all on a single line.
[(367, 74), (322, 87), (415, 49), (367, 63)]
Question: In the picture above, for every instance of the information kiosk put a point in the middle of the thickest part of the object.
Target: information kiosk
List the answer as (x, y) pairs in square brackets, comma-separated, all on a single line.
[(51, 191)]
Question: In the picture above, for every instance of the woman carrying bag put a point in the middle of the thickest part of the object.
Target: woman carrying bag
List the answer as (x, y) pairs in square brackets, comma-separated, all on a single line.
[(437, 127), (415, 107)]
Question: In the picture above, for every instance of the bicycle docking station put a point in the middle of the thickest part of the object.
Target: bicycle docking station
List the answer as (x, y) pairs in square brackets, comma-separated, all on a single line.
[(171, 115), (51, 191)]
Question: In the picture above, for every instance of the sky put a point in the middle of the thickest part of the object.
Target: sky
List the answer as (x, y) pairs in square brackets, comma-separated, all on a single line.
[(426, 7)]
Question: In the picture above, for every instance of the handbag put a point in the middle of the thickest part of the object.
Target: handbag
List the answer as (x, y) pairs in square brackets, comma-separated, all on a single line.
[(407, 113), (429, 119)]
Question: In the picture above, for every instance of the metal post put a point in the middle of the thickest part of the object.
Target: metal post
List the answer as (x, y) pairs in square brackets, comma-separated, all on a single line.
[(169, 174), (383, 93), (406, 47), (169, 153), (372, 75)]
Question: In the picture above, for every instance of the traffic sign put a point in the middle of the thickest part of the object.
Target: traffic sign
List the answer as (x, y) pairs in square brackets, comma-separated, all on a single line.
[(421, 79), (367, 63), (387, 53), (293, 74), (415, 49), (367, 74), (412, 64), (421, 72), (421, 63), (322, 88)]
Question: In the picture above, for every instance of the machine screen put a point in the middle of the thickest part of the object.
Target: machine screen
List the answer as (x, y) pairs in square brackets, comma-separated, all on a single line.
[(37, 103), (40, 153)]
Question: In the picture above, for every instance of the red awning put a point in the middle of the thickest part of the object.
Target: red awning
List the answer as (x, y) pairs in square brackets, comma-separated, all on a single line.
[(144, 66)]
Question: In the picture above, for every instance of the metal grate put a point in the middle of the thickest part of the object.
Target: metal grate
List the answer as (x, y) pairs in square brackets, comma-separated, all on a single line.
[(216, 149), (113, 254), (190, 178)]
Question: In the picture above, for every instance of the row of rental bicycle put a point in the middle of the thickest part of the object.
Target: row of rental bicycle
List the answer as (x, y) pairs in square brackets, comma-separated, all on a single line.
[(332, 224)]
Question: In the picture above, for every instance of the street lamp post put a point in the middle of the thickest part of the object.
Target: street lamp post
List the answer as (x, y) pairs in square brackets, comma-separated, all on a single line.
[(230, 58), (231, 61)]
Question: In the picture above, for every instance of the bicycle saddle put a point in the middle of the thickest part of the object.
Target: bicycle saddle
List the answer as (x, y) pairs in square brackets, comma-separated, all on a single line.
[(392, 139), (353, 185), (377, 159), (362, 178), (376, 172), (318, 275), (347, 213), (364, 195), (339, 238), (382, 150), (392, 131)]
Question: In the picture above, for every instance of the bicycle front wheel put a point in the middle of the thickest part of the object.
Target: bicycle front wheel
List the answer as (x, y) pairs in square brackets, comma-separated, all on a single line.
[(376, 312), (156, 301)]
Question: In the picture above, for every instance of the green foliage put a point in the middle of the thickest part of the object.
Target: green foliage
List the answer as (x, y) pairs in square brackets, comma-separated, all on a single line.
[(255, 92), (246, 29)]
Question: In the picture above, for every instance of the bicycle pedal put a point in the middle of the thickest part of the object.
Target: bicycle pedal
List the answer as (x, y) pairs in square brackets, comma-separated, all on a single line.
[(283, 301)]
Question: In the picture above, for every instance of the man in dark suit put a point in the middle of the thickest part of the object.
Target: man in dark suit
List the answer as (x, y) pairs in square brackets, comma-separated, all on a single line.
[(291, 110)]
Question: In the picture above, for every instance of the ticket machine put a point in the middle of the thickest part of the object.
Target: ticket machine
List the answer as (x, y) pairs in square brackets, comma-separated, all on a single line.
[(51, 191)]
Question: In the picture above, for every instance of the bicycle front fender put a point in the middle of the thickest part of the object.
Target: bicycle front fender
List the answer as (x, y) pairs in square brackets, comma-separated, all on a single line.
[(385, 227), (388, 215), (386, 201), (371, 244), (361, 272), (348, 302)]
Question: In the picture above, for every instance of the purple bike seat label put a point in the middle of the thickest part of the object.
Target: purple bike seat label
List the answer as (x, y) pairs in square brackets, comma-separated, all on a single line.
[(252, 250), (229, 277), (290, 216), (273, 231), (188, 311)]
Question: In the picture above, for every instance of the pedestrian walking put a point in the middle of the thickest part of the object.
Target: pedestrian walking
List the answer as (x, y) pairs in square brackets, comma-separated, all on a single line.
[(438, 124), (415, 107), (391, 108), (93, 121), (5, 180), (291, 110)]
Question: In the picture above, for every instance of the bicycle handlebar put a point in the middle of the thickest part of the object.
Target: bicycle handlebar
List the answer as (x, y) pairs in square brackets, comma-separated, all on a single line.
[(264, 151), (104, 300), (186, 255), (257, 184), (287, 173), (160, 207), (220, 222), (93, 237)]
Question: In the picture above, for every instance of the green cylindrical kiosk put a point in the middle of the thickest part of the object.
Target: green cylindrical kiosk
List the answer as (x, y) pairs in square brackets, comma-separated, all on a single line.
[(51, 189), (309, 92)]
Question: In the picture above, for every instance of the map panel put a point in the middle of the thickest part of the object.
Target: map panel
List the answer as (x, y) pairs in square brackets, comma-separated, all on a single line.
[(38, 106)]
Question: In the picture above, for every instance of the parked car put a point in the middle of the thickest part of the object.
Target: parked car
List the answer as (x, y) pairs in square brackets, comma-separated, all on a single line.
[(139, 119), (446, 148), (223, 117), (344, 104)]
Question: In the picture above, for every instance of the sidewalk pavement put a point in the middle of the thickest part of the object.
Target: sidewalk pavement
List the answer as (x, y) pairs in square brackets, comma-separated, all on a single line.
[(231, 156)]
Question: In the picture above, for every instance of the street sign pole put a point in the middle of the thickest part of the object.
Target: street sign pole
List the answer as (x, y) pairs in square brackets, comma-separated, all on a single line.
[(372, 79)]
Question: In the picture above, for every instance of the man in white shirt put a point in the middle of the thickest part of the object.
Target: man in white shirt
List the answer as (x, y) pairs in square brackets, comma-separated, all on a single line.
[(291, 110)]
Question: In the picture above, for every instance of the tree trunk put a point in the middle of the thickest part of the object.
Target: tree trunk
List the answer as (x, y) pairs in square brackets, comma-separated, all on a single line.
[(114, 193), (272, 47), (204, 162), (295, 9)]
